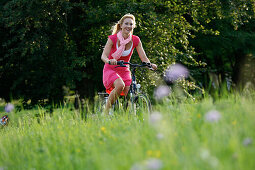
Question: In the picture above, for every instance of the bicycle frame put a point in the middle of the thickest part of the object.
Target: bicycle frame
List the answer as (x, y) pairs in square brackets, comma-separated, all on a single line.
[(134, 86)]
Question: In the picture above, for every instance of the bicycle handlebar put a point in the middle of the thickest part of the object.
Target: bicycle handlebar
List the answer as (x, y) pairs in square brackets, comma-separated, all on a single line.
[(144, 64)]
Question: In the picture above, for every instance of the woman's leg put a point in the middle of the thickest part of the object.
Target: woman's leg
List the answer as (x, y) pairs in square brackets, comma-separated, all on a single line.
[(119, 86), (126, 89)]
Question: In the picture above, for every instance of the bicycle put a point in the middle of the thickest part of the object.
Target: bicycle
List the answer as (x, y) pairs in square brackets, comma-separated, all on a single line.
[(140, 103)]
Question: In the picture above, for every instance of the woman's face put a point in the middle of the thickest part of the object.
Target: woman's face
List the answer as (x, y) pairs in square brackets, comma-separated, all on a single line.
[(127, 26)]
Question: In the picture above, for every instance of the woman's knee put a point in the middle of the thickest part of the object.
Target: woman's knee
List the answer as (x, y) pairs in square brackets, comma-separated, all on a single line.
[(119, 85)]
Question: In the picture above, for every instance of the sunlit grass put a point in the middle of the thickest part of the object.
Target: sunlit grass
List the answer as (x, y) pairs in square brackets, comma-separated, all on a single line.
[(177, 136)]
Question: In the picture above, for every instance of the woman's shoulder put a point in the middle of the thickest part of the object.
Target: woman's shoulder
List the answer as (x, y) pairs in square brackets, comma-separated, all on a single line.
[(136, 40)]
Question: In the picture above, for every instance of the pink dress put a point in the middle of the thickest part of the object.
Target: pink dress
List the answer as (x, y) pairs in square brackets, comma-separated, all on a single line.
[(110, 73)]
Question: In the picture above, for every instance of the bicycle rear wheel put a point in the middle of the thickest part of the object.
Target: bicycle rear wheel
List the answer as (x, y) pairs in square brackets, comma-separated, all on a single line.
[(142, 106)]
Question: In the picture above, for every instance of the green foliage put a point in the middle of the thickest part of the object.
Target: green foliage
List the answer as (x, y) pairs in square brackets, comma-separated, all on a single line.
[(48, 44), (39, 54), (223, 52)]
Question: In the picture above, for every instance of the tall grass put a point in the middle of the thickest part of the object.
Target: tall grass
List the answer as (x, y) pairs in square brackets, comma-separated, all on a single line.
[(177, 136)]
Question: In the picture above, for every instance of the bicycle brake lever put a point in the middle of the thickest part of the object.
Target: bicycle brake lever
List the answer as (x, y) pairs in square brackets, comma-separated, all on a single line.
[(148, 65)]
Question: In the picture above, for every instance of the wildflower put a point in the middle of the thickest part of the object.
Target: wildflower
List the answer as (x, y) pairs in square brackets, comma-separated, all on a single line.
[(103, 129), (198, 115), (234, 122), (175, 72), (137, 166), (160, 136), (153, 164), (204, 154), (3, 168), (213, 161), (207, 157), (161, 91), (9, 107), (212, 116), (149, 164), (157, 153), (247, 141), (149, 153), (155, 117)]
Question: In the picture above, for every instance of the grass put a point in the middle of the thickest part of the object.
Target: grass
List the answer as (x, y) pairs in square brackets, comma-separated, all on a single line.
[(176, 137)]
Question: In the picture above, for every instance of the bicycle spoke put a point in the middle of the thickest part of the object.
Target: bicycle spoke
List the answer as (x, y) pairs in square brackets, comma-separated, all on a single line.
[(142, 106)]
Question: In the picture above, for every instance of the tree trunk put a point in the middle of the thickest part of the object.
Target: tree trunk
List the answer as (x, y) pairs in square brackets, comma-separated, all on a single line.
[(244, 72)]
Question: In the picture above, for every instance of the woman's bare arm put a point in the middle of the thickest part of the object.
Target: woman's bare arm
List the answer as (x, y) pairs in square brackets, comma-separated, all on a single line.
[(107, 50), (143, 56)]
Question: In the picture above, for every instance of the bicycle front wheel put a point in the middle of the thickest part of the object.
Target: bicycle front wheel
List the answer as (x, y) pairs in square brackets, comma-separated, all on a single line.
[(142, 106)]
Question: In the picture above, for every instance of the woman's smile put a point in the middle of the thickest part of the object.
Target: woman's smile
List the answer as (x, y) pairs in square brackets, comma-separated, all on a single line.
[(127, 26)]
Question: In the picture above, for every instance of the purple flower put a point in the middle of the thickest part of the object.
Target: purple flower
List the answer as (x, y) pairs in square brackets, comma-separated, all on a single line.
[(247, 141), (161, 92), (212, 116), (154, 164), (174, 72), (137, 166), (9, 107), (149, 164)]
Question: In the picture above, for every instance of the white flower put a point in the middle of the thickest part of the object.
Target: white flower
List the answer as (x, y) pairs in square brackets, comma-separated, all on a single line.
[(212, 116), (207, 157), (213, 161), (160, 136), (137, 166), (155, 118), (204, 154), (153, 164), (161, 92), (149, 164)]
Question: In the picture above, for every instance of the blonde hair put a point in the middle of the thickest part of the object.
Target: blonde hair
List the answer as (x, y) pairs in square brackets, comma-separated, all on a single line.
[(116, 28)]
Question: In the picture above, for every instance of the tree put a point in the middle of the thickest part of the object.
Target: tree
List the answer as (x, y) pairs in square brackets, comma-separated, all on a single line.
[(51, 44), (38, 56), (226, 51)]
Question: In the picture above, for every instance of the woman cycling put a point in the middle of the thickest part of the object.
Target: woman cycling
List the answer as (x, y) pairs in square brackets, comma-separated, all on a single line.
[(120, 46)]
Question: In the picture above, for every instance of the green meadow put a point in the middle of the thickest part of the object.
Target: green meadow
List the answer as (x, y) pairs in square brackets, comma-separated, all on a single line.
[(177, 135)]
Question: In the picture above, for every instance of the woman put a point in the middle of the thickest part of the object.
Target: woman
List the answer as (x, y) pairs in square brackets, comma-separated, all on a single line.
[(120, 46)]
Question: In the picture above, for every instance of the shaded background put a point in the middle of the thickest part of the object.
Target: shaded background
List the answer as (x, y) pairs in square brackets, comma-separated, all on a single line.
[(52, 48)]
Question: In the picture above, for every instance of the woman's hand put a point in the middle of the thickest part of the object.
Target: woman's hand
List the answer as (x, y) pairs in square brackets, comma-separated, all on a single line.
[(112, 62), (154, 66)]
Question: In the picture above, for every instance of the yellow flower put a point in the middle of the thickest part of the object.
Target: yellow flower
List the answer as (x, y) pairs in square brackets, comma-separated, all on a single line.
[(157, 153), (198, 115), (149, 152), (103, 129), (234, 122)]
